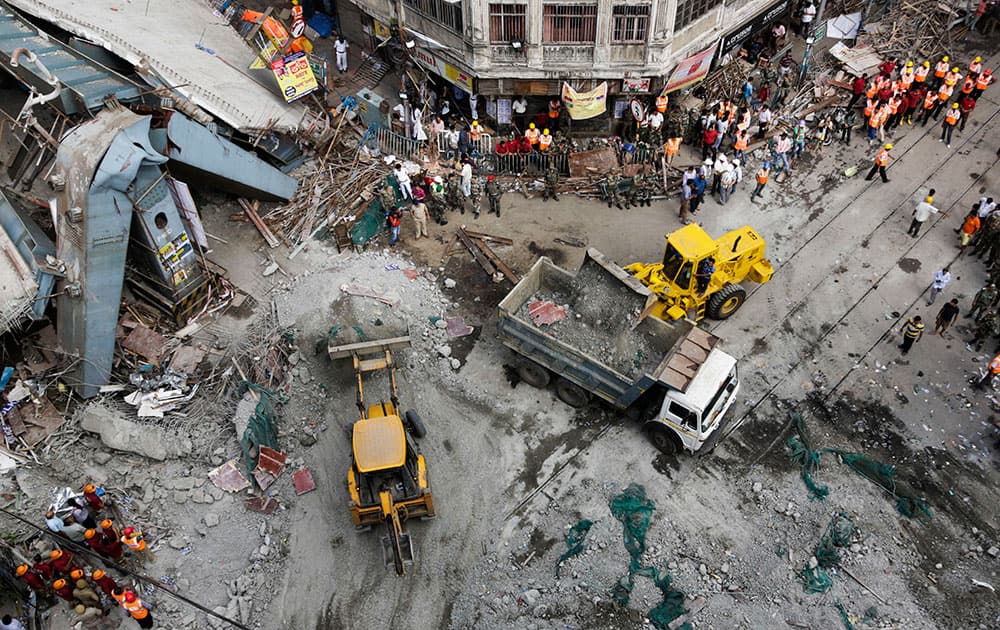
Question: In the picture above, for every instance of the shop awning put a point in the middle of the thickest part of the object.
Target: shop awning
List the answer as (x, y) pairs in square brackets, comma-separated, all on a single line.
[(690, 71)]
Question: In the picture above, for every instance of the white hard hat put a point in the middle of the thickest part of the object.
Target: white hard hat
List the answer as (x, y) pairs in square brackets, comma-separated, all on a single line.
[(736, 162), (438, 179), (708, 161)]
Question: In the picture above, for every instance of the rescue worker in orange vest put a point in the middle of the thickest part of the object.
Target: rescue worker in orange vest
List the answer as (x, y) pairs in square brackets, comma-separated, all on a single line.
[(968, 85), (90, 494), (139, 612), (895, 111), (762, 176), (906, 75), (983, 81), (63, 590), (940, 70), (991, 371), (118, 594), (953, 77), (672, 147), (944, 95), (555, 108), (870, 106), (740, 144), (661, 103), (475, 133), (31, 578), (132, 538), (930, 102), (948, 126), (975, 67), (544, 140), (531, 134), (920, 74), (872, 89), (881, 161)]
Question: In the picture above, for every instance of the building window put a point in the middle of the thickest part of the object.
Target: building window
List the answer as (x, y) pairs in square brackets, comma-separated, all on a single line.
[(690, 10), (447, 13), (506, 23), (630, 24), (569, 24)]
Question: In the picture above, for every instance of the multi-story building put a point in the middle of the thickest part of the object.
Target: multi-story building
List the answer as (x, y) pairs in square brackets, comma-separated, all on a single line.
[(531, 46)]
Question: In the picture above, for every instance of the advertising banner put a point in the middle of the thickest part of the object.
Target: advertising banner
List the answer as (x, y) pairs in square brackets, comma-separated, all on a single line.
[(295, 76), (584, 105), (690, 71)]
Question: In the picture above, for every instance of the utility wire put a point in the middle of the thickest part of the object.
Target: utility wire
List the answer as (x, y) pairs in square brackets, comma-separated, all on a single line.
[(90, 553)]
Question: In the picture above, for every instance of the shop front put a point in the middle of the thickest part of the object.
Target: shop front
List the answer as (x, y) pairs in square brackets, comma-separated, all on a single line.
[(753, 36)]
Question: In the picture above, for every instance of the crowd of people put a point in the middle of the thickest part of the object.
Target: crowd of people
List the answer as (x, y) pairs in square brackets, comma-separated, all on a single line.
[(81, 579)]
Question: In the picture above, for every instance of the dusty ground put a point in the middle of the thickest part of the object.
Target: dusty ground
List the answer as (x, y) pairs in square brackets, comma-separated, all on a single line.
[(512, 468)]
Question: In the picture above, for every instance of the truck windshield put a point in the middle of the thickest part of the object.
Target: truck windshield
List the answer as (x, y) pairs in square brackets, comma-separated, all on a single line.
[(712, 410), (672, 263)]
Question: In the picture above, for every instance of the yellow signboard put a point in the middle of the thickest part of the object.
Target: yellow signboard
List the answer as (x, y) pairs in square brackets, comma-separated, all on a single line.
[(381, 30), (295, 76), (269, 51), (584, 105)]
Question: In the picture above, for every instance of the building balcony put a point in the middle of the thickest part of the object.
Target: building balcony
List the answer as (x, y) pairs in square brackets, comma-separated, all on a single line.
[(507, 54)]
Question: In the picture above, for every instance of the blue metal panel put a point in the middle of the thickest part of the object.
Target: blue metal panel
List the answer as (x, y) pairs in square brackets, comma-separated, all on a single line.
[(33, 245), (208, 156), (86, 82)]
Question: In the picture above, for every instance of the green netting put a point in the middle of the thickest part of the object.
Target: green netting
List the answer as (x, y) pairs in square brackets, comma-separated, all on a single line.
[(844, 616), (634, 511), (800, 452), (574, 541), (369, 223), (838, 535), (260, 429)]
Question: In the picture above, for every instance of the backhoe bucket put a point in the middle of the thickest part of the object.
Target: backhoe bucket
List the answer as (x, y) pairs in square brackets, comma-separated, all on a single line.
[(405, 551)]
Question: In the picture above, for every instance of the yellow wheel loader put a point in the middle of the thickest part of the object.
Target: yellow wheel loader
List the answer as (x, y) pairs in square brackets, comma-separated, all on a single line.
[(701, 276), (387, 481)]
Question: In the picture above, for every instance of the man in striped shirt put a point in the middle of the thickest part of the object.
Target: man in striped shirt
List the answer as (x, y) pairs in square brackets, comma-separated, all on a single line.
[(912, 331)]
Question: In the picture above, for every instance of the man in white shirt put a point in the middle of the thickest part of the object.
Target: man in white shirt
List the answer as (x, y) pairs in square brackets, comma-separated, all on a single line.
[(655, 121), (941, 280), (403, 179), (921, 213), (808, 15), (519, 107), (986, 207), (341, 46), (467, 179)]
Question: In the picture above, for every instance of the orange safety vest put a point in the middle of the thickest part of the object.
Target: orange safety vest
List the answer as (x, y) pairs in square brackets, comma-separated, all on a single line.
[(930, 99), (661, 103), (940, 69), (544, 142), (952, 78), (475, 134), (995, 365), (119, 598), (982, 82), (531, 135), (883, 83), (761, 177), (945, 92), (673, 146), (906, 77), (741, 142), (872, 90), (953, 116), (870, 107), (975, 68), (882, 158), (894, 104), (136, 609), (920, 75), (135, 542), (968, 85)]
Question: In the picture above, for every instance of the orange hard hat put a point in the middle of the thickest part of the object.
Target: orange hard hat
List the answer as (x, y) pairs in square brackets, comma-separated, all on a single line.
[(90, 533), (55, 554), (98, 574), (129, 531), (130, 597), (22, 569), (59, 583), (106, 523), (76, 574), (90, 488)]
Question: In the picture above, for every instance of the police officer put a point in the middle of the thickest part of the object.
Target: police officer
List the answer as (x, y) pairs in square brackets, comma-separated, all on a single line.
[(551, 182), (493, 193)]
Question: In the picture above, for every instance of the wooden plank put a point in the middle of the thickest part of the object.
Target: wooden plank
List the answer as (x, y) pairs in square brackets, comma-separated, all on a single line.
[(476, 252), (482, 236), (265, 231), (499, 264)]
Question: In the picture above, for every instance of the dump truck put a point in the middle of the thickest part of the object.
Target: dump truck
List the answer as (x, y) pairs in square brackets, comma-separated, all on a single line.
[(701, 276), (387, 482), (591, 334)]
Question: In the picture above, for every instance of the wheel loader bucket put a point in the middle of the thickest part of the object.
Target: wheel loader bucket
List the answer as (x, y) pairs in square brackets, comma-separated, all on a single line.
[(405, 551)]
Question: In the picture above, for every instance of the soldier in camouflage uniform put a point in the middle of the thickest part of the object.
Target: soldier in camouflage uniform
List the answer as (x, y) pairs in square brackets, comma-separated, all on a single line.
[(551, 183), (988, 239), (435, 201), (644, 190), (985, 300), (453, 194), (476, 195), (987, 326), (493, 193), (611, 184), (388, 198)]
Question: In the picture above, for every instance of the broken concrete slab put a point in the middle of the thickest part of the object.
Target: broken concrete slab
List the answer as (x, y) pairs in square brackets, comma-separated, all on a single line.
[(263, 505), (147, 440), (303, 481), (228, 477)]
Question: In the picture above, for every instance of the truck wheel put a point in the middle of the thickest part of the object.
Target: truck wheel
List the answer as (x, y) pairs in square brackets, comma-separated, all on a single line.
[(665, 440), (571, 393), (415, 424), (726, 301), (534, 374)]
